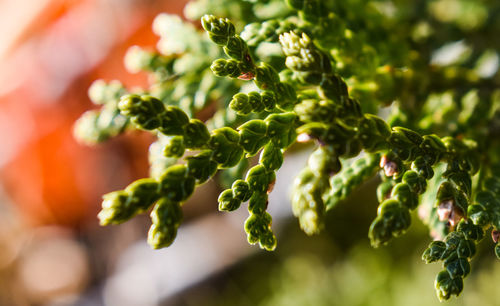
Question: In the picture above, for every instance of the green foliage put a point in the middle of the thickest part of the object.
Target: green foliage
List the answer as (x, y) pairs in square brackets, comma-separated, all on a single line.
[(319, 72), (96, 126)]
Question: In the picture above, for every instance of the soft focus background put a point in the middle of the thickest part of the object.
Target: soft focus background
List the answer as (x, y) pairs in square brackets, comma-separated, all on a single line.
[(52, 250)]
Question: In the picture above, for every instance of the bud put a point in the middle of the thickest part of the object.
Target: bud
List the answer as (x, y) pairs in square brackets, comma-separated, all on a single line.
[(390, 167), (416, 182), (268, 100), (255, 101), (116, 208), (444, 210), (176, 184), (166, 217), (470, 230), (258, 203), (174, 147), (145, 111), (458, 268), (271, 157), (222, 67), (403, 193), (236, 48), (495, 235), (258, 229), (253, 136), (196, 134), (422, 167), (455, 216), (266, 76), (434, 252), (268, 241), (219, 29), (241, 190), (240, 104), (227, 151), (174, 120), (281, 128), (259, 178), (447, 286), (201, 166), (227, 202)]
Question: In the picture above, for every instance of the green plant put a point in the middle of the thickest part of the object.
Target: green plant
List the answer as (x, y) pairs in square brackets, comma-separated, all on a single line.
[(320, 72)]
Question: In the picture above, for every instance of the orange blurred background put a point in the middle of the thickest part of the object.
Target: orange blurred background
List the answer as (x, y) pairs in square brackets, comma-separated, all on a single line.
[(50, 53), (50, 185)]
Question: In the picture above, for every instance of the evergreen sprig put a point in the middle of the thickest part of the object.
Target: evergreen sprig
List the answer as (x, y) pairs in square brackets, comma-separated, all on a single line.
[(96, 126), (320, 71)]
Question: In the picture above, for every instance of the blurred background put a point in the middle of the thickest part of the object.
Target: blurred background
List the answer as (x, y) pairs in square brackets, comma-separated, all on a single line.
[(53, 251)]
